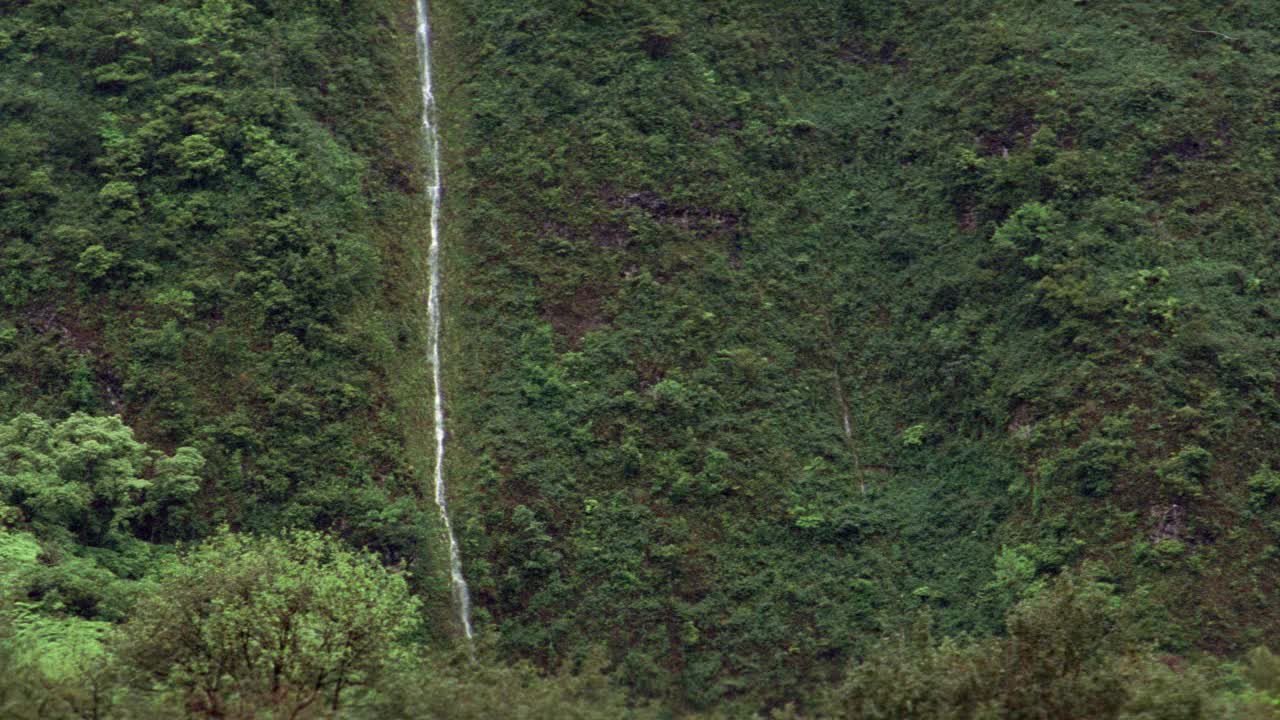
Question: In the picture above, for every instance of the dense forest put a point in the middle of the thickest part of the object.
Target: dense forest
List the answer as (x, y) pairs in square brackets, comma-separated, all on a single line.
[(804, 359)]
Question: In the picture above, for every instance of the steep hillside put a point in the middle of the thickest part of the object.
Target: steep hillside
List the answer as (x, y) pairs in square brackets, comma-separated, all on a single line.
[(818, 358), (213, 225), (199, 224), (773, 323)]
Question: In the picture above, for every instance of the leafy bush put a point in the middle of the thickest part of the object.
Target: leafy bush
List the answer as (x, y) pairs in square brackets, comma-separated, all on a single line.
[(89, 477), (241, 625), (1065, 656)]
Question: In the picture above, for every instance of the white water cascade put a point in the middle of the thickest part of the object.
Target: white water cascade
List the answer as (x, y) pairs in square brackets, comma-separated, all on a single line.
[(461, 596)]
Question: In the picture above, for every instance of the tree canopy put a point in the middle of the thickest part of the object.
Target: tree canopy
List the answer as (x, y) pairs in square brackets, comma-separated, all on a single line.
[(244, 624)]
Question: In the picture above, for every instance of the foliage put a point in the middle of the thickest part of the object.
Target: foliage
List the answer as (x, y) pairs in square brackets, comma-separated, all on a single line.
[(278, 624), (770, 323), (206, 233), (1063, 657), (461, 688), (89, 477)]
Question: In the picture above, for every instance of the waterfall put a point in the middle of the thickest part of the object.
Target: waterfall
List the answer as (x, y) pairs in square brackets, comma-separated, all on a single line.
[(461, 597)]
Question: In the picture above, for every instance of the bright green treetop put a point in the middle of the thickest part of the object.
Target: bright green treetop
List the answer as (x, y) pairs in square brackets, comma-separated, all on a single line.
[(90, 475), (243, 624)]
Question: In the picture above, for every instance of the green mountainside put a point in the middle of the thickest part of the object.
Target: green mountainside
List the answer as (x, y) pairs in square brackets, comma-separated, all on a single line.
[(199, 236), (779, 321), (819, 358)]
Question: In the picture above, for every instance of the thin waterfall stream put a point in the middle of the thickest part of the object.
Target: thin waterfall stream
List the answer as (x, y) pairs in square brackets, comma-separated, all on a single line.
[(458, 583)]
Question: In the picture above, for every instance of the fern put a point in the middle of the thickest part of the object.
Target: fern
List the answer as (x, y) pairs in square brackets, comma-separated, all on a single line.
[(18, 550), (57, 648)]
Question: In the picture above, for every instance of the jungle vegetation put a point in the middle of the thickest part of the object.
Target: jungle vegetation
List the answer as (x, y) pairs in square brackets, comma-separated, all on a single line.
[(805, 359)]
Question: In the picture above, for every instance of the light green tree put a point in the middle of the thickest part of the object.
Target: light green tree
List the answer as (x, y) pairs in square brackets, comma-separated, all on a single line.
[(90, 476), (271, 627)]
